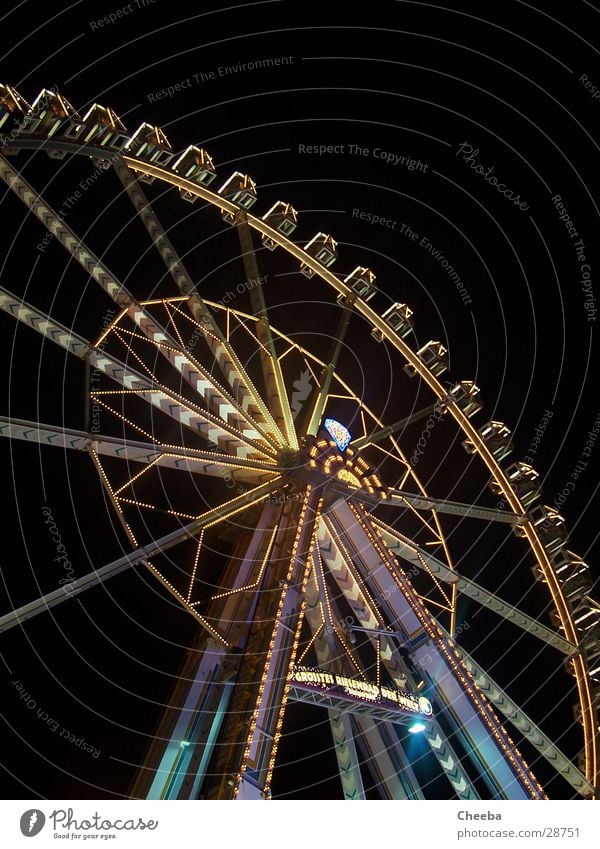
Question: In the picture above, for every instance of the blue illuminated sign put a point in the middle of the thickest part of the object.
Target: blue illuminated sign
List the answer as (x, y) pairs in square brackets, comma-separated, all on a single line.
[(340, 434)]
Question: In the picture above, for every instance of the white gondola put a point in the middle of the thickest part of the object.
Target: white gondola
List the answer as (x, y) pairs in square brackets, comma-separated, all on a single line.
[(465, 395), (524, 481), (362, 281), (434, 355), (398, 318), (196, 165), (239, 189), (496, 436), (13, 110), (550, 527), (151, 144), (99, 126), (281, 217), (49, 113), (323, 248)]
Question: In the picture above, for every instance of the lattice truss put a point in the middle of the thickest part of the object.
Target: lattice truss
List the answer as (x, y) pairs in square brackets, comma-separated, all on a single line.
[(193, 427)]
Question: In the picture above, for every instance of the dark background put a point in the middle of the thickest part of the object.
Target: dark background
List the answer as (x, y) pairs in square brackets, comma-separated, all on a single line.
[(410, 78)]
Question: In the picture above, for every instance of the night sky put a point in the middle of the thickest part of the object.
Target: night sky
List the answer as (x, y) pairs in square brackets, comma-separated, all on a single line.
[(475, 127)]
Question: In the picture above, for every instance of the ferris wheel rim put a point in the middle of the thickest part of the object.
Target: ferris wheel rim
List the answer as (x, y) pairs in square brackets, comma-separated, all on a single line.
[(558, 599)]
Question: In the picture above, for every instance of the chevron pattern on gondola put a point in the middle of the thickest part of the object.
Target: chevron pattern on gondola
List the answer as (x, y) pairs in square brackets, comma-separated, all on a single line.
[(526, 726), (449, 762)]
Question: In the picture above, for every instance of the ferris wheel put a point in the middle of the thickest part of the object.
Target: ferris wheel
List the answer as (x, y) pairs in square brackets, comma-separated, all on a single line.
[(282, 508)]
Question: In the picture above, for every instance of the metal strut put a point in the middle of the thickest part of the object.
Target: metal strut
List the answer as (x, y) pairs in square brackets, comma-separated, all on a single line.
[(277, 396), (221, 404), (329, 370), (397, 498), (231, 367), (145, 552), (390, 430), (424, 560), (200, 421), (136, 451)]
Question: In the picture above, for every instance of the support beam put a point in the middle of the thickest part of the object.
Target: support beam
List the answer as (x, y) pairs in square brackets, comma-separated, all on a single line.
[(245, 393), (342, 733), (135, 451), (192, 372), (519, 719), (386, 760), (396, 498), (471, 716), (425, 561), (390, 430), (322, 392), (177, 762), (277, 396), (252, 729), (145, 552), (200, 421), (342, 570)]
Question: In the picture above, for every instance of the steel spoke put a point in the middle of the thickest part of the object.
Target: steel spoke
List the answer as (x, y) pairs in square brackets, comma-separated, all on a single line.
[(247, 396), (277, 396), (143, 553)]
